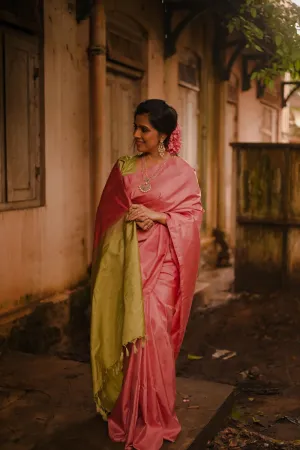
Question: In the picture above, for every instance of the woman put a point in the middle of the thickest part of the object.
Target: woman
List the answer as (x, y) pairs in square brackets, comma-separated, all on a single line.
[(146, 255)]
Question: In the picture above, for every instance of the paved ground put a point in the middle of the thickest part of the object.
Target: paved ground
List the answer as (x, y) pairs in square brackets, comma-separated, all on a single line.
[(262, 334), (46, 404)]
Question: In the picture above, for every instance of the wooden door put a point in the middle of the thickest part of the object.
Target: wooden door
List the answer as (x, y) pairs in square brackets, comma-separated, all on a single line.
[(122, 97)]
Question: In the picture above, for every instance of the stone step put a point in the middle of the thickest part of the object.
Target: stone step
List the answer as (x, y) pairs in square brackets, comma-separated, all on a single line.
[(47, 405), (204, 415)]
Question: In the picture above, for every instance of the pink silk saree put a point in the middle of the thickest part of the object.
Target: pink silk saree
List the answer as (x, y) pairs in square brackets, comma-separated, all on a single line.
[(143, 284)]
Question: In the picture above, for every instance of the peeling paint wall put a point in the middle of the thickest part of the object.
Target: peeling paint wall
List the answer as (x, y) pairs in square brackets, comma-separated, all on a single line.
[(44, 250)]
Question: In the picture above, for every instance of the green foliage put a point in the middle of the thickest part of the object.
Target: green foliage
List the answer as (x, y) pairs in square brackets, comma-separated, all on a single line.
[(271, 28)]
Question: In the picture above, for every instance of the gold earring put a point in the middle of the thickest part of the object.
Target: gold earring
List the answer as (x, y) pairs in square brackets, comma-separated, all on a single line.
[(161, 148)]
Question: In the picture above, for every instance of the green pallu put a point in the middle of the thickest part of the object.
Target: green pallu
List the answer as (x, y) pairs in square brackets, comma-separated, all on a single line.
[(117, 304)]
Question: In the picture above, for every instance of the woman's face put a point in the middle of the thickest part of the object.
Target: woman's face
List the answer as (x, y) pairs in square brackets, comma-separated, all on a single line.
[(146, 137)]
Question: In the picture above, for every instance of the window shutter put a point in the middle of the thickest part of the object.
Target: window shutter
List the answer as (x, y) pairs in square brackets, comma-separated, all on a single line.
[(22, 112), (2, 139)]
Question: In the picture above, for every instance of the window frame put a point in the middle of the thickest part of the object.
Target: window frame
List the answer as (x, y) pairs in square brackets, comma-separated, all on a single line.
[(265, 132)]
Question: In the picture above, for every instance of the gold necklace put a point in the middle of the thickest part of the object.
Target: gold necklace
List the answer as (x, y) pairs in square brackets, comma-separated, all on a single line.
[(146, 185)]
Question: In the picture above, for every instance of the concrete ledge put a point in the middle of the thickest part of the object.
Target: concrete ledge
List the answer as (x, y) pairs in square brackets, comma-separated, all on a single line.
[(58, 324)]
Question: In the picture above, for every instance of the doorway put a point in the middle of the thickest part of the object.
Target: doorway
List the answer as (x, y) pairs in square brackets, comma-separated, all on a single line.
[(122, 97)]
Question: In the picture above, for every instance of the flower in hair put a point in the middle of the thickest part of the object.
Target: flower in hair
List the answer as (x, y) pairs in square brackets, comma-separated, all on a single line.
[(174, 145)]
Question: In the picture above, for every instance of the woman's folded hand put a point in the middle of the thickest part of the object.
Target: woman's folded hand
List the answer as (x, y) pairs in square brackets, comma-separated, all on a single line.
[(139, 213), (145, 225)]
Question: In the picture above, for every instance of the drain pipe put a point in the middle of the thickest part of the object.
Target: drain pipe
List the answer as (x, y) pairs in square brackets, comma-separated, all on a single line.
[(97, 57)]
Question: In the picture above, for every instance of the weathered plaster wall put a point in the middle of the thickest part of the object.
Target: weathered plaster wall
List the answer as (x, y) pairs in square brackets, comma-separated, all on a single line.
[(44, 250)]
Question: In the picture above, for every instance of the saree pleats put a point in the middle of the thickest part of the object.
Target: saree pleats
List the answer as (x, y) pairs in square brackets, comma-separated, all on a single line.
[(144, 415)]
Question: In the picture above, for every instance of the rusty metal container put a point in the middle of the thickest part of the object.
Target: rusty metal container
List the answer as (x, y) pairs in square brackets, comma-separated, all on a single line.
[(267, 217)]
